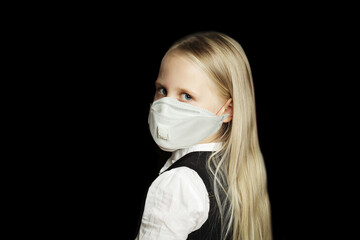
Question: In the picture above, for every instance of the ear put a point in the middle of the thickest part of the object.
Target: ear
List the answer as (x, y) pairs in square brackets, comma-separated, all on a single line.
[(228, 109)]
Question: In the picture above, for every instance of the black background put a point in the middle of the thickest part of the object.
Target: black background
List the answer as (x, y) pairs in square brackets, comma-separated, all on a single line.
[(103, 64)]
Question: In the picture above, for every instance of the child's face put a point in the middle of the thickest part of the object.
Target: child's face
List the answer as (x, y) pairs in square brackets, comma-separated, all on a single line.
[(181, 79)]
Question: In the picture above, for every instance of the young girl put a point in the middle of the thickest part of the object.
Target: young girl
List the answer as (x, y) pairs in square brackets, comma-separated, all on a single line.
[(214, 184)]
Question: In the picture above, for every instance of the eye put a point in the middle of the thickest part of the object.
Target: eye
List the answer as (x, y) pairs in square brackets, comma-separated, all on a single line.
[(185, 97), (162, 91)]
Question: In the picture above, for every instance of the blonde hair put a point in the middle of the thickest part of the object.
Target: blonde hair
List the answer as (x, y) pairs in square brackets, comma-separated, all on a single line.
[(238, 169)]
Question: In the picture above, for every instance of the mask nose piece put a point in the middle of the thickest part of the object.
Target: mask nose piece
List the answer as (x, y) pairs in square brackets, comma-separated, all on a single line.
[(163, 132)]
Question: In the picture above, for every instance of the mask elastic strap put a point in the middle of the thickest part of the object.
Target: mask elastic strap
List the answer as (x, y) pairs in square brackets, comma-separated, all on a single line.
[(222, 107)]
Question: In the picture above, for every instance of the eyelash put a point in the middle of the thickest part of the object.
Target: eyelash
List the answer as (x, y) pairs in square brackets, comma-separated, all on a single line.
[(159, 90), (186, 95), (162, 91)]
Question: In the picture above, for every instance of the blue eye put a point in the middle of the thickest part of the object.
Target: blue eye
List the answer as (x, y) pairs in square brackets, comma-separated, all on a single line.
[(186, 97), (162, 91)]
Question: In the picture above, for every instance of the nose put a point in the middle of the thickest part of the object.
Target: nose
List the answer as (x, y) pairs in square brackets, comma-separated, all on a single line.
[(172, 94)]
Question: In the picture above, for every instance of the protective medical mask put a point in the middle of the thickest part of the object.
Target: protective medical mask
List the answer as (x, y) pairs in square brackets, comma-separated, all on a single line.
[(176, 125)]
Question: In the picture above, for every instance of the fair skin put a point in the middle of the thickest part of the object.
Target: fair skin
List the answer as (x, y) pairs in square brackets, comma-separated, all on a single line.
[(181, 79)]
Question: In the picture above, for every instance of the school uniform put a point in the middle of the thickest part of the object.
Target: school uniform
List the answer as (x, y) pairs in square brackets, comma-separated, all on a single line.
[(180, 203)]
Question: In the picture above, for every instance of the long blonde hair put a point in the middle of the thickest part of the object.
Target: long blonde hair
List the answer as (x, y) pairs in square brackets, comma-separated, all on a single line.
[(238, 169)]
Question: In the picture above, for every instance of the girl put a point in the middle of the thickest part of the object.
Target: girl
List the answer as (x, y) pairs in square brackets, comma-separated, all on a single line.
[(214, 184)]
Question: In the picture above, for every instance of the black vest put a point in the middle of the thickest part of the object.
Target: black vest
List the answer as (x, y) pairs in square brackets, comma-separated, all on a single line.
[(211, 229)]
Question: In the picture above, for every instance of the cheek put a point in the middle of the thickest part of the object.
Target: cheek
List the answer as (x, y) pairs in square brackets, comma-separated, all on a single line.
[(211, 102), (158, 96), (210, 97)]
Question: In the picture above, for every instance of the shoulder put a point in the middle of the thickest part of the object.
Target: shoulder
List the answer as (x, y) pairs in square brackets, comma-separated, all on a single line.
[(177, 204), (179, 180), (180, 188), (197, 162)]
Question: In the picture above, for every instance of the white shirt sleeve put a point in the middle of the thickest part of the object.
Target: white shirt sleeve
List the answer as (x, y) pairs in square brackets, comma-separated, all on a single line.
[(177, 204)]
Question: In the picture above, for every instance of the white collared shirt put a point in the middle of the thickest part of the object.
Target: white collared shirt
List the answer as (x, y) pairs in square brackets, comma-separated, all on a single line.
[(177, 202)]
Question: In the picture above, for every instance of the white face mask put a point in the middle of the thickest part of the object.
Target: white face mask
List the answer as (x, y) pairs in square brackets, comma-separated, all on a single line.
[(175, 125)]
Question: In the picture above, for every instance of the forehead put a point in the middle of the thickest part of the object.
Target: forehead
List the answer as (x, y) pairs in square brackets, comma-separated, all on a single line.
[(178, 69), (179, 63)]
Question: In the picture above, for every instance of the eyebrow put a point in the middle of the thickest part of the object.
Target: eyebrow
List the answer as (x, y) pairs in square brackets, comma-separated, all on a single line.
[(157, 83)]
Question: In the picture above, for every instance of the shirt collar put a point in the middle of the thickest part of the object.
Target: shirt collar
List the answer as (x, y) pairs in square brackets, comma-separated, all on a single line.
[(176, 155)]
